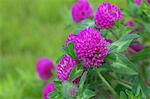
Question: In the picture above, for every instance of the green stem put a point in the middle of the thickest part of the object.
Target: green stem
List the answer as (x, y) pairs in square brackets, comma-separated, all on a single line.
[(106, 83), (114, 34)]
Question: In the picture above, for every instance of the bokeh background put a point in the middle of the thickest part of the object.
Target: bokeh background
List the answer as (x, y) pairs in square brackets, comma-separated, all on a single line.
[(30, 29)]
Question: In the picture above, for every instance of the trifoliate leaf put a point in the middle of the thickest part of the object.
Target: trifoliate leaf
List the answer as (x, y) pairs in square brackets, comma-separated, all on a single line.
[(69, 50), (123, 95), (123, 66), (123, 43), (87, 94), (76, 72)]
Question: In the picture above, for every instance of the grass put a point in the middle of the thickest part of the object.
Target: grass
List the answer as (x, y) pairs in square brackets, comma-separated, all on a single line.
[(28, 30)]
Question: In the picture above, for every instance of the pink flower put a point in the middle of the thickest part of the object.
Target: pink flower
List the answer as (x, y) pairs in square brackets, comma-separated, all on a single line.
[(148, 1), (44, 67), (130, 23), (138, 2), (65, 68), (90, 46), (137, 47), (106, 15), (81, 10), (134, 48), (49, 88)]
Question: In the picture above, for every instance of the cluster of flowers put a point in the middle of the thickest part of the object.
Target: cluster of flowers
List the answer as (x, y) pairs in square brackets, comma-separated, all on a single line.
[(89, 45)]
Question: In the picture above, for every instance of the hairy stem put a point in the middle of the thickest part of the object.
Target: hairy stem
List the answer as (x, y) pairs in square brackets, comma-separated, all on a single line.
[(106, 83)]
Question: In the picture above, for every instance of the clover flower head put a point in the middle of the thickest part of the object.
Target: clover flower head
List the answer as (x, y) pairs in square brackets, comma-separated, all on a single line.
[(106, 15), (65, 68), (44, 67), (81, 10), (49, 88), (90, 46)]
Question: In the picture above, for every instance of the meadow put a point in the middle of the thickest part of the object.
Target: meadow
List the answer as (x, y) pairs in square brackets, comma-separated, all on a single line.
[(29, 29)]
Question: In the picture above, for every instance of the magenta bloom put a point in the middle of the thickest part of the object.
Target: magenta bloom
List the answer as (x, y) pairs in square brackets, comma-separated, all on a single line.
[(65, 68), (130, 23), (106, 15), (44, 67), (49, 88), (81, 10), (90, 46), (148, 1), (136, 47), (138, 2)]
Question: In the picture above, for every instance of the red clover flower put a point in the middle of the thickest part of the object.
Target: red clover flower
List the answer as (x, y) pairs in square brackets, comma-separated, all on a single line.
[(90, 46), (106, 15)]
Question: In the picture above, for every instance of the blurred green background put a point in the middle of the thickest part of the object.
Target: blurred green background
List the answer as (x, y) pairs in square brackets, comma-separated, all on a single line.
[(30, 29)]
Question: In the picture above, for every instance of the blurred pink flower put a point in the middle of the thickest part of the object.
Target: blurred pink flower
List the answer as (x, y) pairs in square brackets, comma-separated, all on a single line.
[(148, 1), (81, 10), (49, 88), (130, 23), (138, 2), (44, 67), (137, 47)]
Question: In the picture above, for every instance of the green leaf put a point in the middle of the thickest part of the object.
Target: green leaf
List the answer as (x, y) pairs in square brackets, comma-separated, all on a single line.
[(144, 87), (129, 37), (130, 95), (110, 57), (136, 86), (123, 43), (57, 83), (123, 66), (65, 88), (140, 88), (123, 95), (84, 24), (53, 94), (82, 80), (76, 72), (144, 54), (57, 92), (71, 46), (69, 50), (125, 60), (87, 23), (87, 94), (58, 60), (122, 69)]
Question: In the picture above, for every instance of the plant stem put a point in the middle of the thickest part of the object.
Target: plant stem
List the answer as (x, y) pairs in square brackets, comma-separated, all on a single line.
[(106, 83), (114, 34)]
